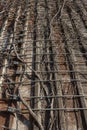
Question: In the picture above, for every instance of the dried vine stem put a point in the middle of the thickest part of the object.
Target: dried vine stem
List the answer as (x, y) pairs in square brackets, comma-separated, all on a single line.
[(2, 12), (40, 82), (28, 107), (59, 12), (15, 27), (30, 111), (17, 54), (20, 80)]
